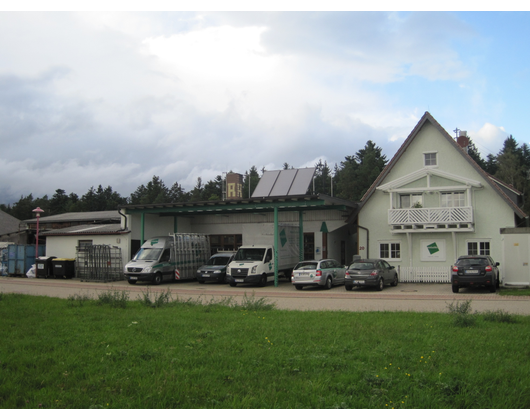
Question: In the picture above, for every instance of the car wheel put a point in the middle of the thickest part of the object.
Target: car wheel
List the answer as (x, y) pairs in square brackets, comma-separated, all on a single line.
[(348, 287), (455, 289), (233, 284), (201, 281), (493, 287), (263, 281), (328, 283), (396, 281), (298, 286), (158, 279), (381, 284), (132, 281)]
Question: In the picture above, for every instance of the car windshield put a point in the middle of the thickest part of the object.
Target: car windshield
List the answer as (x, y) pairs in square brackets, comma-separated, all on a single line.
[(306, 266), (218, 261), (472, 261), (148, 254), (362, 266), (250, 254)]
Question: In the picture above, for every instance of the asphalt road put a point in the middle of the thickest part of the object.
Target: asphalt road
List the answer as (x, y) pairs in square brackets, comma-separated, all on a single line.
[(416, 297)]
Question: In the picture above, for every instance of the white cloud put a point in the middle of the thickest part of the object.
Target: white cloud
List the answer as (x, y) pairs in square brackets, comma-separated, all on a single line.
[(115, 98), (489, 138)]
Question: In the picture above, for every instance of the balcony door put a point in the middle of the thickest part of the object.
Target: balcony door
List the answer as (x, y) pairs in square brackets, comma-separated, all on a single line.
[(407, 201)]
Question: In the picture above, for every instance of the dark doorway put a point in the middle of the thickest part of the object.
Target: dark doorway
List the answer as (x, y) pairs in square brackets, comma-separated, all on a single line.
[(309, 246)]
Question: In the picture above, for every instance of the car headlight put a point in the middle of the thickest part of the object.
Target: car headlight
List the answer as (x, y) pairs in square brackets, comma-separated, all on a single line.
[(198, 271), (217, 272), (254, 269), (147, 269)]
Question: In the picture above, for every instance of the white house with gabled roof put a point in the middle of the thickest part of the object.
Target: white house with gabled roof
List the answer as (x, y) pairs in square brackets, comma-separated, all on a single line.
[(433, 203)]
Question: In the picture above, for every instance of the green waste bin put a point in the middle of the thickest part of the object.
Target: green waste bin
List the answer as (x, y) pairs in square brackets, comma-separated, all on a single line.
[(64, 268)]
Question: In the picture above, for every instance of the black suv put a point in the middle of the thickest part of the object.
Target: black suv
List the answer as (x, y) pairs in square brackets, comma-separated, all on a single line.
[(475, 270)]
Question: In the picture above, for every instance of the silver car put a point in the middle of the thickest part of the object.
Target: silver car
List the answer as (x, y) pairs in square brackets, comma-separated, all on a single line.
[(324, 273)]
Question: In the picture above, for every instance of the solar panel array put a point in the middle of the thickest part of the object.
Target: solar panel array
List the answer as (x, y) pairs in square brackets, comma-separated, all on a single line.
[(284, 183)]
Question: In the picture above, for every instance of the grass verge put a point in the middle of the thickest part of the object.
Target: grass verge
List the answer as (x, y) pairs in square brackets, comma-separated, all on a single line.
[(514, 292), (86, 352)]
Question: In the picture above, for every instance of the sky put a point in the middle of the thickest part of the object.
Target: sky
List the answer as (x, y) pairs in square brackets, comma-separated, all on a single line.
[(95, 97)]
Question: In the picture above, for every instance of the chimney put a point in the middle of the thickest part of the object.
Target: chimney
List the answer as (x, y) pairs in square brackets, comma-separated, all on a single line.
[(463, 140)]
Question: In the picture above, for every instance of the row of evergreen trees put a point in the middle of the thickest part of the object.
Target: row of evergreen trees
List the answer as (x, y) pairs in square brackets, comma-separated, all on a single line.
[(348, 180)]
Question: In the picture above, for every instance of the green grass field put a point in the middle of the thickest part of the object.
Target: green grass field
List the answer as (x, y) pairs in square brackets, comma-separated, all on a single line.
[(110, 352)]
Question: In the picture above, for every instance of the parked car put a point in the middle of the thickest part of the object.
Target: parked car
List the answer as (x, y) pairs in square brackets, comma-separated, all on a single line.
[(370, 272), (325, 273), (215, 267), (475, 270)]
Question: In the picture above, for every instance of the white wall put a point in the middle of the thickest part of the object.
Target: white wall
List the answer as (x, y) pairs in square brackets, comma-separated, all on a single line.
[(253, 227), (65, 246)]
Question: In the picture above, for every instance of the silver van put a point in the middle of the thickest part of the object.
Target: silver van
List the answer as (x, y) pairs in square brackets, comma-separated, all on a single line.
[(164, 258)]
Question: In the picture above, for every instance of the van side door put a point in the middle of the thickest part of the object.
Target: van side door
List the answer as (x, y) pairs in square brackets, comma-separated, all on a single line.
[(167, 268)]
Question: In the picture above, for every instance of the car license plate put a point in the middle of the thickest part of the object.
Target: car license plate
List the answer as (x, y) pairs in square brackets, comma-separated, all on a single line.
[(358, 282), (133, 278), (206, 275), (471, 271), (240, 280)]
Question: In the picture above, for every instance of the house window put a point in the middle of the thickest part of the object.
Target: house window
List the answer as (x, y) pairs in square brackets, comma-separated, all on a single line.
[(430, 159), (407, 201), (84, 243), (390, 250), (456, 199), (478, 248)]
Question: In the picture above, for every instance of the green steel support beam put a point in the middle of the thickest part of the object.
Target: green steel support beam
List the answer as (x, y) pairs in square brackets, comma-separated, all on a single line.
[(142, 227), (300, 235), (276, 247), (236, 208)]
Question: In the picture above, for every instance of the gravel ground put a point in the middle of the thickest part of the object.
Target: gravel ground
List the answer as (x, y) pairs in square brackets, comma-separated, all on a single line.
[(416, 297)]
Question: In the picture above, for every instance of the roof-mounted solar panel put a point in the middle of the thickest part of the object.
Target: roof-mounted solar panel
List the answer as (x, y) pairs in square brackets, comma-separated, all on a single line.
[(284, 183)]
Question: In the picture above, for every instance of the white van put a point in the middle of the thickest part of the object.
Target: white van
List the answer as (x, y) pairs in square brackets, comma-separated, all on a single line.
[(174, 257)]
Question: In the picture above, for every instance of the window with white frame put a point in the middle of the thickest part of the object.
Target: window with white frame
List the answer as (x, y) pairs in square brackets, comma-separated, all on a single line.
[(430, 159), (407, 201), (390, 250), (453, 199), (480, 247)]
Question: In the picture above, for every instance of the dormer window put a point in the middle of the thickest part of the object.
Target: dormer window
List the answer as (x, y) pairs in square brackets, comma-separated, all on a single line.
[(430, 159)]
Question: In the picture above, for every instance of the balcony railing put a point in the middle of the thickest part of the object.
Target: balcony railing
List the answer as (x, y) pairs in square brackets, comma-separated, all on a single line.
[(436, 217)]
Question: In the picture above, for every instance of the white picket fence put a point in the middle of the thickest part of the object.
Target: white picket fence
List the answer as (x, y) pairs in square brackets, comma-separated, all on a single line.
[(424, 274)]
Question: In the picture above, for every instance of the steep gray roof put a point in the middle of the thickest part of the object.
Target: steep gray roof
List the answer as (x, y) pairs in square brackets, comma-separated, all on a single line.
[(110, 229), (8, 223), (87, 216)]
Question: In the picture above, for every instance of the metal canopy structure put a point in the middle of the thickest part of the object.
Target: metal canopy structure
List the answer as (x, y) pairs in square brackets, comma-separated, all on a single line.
[(252, 205), (299, 203), (287, 182)]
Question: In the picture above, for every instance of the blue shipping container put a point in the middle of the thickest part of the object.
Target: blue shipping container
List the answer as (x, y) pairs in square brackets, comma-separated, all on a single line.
[(20, 258)]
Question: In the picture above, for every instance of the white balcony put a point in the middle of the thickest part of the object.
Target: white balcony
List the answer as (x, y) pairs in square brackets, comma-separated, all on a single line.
[(448, 219)]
